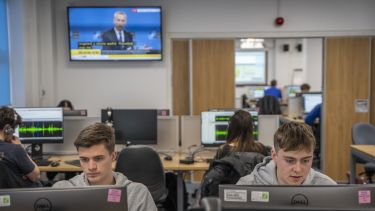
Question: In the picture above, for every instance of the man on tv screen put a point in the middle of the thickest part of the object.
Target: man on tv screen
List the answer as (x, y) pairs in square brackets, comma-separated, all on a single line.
[(96, 150), (117, 38), (290, 161)]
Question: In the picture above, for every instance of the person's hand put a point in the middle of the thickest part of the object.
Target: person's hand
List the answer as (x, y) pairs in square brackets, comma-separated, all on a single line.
[(15, 140)]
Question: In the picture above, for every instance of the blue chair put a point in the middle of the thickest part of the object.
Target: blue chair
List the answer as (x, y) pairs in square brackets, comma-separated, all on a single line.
[(363, 134)]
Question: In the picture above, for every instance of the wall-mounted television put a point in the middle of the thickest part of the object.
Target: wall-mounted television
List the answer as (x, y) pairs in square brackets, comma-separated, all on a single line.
[(115, 33)]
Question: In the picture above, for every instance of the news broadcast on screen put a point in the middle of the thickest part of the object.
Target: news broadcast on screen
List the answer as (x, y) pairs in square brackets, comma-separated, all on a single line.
[(115, 33)]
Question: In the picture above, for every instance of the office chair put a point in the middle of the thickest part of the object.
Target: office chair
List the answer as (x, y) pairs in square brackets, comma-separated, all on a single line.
[(142, 164), (269, 105), (363, 134)]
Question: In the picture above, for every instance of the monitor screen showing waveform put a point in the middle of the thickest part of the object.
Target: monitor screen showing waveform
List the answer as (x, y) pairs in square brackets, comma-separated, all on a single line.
[(214, 126), (40, 125), (41, 129)]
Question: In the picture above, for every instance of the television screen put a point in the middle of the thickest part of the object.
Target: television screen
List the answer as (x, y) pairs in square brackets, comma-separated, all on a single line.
[(40, 125), (214, 126), (115, 33)]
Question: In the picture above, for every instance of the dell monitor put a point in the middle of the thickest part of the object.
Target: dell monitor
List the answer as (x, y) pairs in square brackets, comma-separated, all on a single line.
[(313, 197), (40, 126), (110, 198), (132, 126), (310, 100), (214, 126), (93, 35)]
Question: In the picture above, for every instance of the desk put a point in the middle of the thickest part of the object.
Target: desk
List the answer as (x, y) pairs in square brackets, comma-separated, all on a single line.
[(364, 152), (169, 165), (172, 165)]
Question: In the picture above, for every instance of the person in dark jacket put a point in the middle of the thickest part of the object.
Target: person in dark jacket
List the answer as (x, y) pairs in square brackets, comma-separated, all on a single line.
[(269, 105), (229, 170), (236, 157)]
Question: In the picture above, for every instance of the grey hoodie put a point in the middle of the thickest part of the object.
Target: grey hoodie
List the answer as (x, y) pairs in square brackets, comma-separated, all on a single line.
[(139, 198), (265, 174)]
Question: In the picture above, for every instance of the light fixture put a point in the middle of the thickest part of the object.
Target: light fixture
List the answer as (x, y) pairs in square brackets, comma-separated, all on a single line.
[(251, 43)]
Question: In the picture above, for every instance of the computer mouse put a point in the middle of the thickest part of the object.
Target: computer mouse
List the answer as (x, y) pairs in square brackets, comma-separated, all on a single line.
[(55, 163), (168, 157)]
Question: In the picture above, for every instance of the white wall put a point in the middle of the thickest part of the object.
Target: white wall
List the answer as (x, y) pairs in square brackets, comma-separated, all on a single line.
[(44, 45)]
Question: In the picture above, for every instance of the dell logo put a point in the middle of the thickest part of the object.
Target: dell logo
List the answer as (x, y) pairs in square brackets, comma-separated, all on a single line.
[(299, 200), (42, 204)]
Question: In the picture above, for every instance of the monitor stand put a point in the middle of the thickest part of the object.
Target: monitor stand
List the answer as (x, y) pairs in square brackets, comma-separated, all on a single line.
[(37, 151)]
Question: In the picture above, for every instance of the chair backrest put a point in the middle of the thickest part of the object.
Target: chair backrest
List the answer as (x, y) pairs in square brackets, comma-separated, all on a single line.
[(269, 105), (143, 165), (363, 133)]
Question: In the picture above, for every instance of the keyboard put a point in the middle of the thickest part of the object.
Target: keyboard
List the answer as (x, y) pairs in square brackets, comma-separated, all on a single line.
[(42, 162), (73, 162)]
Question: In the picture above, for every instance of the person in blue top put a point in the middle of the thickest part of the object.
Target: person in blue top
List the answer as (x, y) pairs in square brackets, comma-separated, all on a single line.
[(273, 90), (314, 113)]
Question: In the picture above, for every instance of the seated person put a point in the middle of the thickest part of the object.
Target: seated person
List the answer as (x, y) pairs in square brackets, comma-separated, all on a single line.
[(240, 136), (12, 153), (235, 158), (291, 160), (314, 114), (273, 90), (305, 88), (96, 150), (66, 105)]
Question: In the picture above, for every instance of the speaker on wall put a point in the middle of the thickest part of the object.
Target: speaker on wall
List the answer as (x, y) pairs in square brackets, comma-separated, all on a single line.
[(285, 47), (299, 47)]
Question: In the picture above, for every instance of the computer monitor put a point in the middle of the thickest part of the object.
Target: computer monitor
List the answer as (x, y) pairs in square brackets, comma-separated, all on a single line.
[(132, 126), (80, 112), (214, 126), (40, 126), (292, 90), (257, 92), (310, 100), (276, 197), (110, 198), (267, 126)]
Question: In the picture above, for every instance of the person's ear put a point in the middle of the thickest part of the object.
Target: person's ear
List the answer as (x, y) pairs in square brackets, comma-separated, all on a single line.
[(114, 156), (273, 153)]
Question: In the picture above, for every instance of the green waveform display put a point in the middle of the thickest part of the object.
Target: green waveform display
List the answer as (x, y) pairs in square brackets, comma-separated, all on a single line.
[(222, 118), (40, 129), (221, 133), (49, 128)]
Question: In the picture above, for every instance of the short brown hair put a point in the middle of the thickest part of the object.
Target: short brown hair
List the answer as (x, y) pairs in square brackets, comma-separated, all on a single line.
[(293, 136), (95, 134)]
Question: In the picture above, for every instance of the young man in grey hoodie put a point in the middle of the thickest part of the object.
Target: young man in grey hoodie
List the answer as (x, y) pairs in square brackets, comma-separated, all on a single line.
[(96, 150), (290, 161)]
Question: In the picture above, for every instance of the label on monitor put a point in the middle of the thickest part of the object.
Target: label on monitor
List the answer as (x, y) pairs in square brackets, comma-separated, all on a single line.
[(235, 195), (5, 201), (364, 196), (114, 195), (260, 196)]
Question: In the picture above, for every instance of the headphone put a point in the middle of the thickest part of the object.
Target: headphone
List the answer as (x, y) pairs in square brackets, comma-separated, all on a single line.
[(109, 120), (9, 128)]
